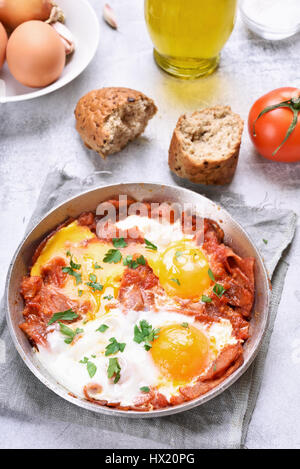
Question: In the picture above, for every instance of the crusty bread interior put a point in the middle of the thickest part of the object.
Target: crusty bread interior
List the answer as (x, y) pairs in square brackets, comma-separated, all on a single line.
[(126, 123), (210, 134)]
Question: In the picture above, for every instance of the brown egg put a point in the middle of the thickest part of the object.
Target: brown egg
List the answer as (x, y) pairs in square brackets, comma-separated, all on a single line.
[(15, 12), (35, 54), (3, 44)]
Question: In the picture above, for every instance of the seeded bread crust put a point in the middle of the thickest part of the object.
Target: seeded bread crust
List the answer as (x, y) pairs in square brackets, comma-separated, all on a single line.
[(96, 108), (207, 167)]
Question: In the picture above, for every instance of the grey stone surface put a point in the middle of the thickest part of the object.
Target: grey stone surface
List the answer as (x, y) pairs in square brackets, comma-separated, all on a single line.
[(38, 135)]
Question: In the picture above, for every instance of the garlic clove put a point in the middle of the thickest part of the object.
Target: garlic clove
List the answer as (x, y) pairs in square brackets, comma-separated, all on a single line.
[(66, 37), (56, 15), (109, 16)]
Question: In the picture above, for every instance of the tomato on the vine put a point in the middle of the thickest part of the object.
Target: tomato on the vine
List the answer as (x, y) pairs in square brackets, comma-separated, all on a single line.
[(274, 125)]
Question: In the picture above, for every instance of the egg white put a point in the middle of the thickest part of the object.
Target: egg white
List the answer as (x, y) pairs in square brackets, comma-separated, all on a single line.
[(137, 367), (160, 233)]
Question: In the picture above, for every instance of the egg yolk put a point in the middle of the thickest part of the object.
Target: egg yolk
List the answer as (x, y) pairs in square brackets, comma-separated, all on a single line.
[(182, 270), (181, 353)]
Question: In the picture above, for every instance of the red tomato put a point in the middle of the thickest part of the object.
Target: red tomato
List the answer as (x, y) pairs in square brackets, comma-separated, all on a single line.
[(271, 128)]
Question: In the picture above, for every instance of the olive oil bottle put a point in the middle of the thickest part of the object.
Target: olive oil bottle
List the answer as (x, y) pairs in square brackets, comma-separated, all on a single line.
[(188, 35)]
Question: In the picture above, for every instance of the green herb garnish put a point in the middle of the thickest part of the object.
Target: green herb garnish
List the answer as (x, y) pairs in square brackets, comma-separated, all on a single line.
[(114, 347), (93, 283), (91, 367), (185, 324), (84, 360), (97, 266), (150, 245), (80, 292), (102, 328), (71, 271), (265, 241), (65, 330), (119, 242), (68, 315), (176, 281), (145, 389), (113, 256), (178, 254), (211, 275), (145, 333), (74, 266), (206, 299), (114, 369), (219, 290), (108, 297), (134, 263)]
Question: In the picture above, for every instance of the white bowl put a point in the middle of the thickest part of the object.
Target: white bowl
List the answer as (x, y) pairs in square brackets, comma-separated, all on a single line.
[(83, 23)]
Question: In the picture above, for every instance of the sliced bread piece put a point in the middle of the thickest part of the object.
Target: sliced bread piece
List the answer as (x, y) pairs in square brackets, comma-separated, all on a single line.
[(205, 145), (109, 118)]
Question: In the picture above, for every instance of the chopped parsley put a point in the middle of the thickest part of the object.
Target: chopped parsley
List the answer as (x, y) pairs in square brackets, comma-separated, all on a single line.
[(91, 367), (67, 331), (185, 324), (219, 290), (145, 333), (176, 281), (84, 360), (134, 263), (114, 347), (68, 315), (102, 328), (80, 292), (95, 286), (97, 266), (71, 270), (150, 245), (74, 266), (108, 297), (119, 242), (93, 283), (206, 299), (178, 254), (113, 256), (265, 241), (211, 275), (114, 369), (145, 389)]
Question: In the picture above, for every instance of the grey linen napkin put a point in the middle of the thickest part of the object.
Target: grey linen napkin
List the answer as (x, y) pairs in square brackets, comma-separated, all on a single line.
[(220, 423)]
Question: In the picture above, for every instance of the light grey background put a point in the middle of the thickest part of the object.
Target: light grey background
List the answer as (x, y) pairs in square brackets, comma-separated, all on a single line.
[(38, 135)]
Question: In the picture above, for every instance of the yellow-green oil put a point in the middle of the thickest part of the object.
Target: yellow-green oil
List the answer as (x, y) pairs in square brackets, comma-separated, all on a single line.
[(188, 35)]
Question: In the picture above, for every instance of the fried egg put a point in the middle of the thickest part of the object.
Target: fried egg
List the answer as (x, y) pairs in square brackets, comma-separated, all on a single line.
[(180, 349)]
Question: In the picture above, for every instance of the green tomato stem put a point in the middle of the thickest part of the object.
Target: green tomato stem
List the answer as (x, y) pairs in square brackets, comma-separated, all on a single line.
[(294, 105)]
